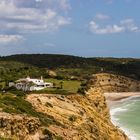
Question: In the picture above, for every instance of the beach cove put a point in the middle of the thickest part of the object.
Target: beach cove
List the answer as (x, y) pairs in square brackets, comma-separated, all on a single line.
[(125, 112)]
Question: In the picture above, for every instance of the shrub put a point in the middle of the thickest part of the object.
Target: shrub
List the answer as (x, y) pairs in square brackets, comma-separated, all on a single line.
[(81, 91), (48, 104), (72, 118)]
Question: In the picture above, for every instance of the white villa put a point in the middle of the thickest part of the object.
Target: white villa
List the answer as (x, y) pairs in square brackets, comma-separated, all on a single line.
[(30, 84)]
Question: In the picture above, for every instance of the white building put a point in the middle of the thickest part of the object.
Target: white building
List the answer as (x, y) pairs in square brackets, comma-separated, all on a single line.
[(30, 84)]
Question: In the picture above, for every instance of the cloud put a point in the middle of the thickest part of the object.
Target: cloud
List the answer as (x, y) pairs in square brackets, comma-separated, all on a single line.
[(101, 16), (43, 4), (22, 16), (6, 39), (129, 24), (112, 1), (123, 26), (95, 28)]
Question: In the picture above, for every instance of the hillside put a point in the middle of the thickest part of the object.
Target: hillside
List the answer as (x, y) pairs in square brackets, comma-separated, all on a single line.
[(63, 114), (13, 70), (57, 117), (80, 65), (64, 117)]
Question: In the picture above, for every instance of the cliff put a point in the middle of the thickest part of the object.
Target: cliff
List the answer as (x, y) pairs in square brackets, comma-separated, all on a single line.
[(75, 117), (80, 116), (105, 82), (15, 126)]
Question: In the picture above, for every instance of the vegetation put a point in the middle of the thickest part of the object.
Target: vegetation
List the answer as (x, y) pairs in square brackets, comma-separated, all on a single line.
[(11, 71), (49, 104), (71, 71), (72, 118), (65, 85), (15, 104), (67, 66)]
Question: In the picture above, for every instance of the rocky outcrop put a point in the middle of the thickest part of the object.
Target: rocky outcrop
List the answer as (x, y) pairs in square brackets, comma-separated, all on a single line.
[(82, 118), (105, 82), (108, 83), (18, 126)]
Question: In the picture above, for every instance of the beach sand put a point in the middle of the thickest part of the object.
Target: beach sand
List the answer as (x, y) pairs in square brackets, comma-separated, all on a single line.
[(115, 98)]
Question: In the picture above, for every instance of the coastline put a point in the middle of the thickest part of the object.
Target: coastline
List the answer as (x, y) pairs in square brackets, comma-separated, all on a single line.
[(115, 103), (115, 98)]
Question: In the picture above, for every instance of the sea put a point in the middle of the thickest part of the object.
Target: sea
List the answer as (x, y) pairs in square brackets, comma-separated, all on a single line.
[(126, 115)]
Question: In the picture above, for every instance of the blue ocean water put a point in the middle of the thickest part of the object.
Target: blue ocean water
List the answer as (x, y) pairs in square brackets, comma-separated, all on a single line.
[(126, 115)]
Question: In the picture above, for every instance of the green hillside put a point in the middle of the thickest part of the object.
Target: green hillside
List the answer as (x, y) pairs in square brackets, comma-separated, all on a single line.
[(67, 65), (12, 70)]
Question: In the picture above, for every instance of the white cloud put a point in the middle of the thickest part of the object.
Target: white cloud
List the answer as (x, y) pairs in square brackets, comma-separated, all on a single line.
[(23, 17), (6, 39), (124, 25), (53, 4), (64, 4), (95, 28), (101, 16), (130, 25)]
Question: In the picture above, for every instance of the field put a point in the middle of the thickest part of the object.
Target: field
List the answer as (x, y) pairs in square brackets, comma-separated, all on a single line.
[(71, 86)]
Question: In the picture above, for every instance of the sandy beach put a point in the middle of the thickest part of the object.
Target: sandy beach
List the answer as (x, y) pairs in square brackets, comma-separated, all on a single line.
[(114, 98), (123, 110)]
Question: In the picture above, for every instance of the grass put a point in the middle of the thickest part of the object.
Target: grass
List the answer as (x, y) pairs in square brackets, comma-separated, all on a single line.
[(2, 85), (68, 87), (71, 86), (15, 104)]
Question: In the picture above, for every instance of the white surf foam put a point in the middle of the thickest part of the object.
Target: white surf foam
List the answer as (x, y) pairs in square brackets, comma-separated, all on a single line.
[(116, 121)]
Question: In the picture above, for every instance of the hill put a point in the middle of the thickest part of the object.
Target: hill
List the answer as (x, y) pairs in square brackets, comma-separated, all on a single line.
[(12, 70), (77, 66)]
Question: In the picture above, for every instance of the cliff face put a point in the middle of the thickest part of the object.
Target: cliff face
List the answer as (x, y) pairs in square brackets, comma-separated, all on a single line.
[(80, 116), (105, 82), (18, 126)]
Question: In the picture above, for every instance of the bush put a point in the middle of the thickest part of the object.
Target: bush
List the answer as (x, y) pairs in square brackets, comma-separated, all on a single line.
[(81, 91), (60, 77), (72, 118), (49, 104), (16, 91)]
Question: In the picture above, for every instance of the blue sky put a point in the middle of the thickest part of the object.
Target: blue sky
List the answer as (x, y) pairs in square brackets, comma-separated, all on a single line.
[(91, 28)]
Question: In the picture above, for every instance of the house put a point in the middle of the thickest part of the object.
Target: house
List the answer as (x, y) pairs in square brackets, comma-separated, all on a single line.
[(30, 84)]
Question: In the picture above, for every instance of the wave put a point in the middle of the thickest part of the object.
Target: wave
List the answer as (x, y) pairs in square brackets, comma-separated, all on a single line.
[(116, 110), (136, 97), (116, 120)]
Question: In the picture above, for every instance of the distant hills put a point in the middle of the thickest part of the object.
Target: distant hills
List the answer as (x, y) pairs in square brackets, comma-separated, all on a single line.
[(124, 66)]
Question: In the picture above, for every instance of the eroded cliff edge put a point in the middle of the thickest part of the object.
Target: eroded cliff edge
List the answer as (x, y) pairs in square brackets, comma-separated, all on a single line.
[(105, 82), (80, 117), (75, 117)]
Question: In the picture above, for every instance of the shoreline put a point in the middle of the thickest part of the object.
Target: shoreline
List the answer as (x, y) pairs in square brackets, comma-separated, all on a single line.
[(115, 99)]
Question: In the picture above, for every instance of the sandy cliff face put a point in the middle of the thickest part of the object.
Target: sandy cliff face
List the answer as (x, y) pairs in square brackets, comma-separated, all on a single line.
[(18, 126), (82, 118), (105, 82)]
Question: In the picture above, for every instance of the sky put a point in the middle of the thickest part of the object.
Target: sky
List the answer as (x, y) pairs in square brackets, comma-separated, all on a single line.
[(88, 28)]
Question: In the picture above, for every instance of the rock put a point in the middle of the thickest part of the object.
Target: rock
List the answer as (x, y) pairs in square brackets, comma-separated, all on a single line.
[(19, 126), (93, 124)]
